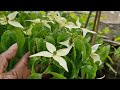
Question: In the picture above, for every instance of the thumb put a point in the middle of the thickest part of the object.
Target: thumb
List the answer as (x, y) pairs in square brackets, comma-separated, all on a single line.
[(24, 61)]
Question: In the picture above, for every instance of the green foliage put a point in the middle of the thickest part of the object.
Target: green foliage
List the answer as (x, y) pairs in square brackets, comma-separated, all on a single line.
[(79, 62), (35, 76), (117, 52), (88, 72), (104, 52), (106, 30), (56, 75), (117, 39), (110, 67), (10, 37)]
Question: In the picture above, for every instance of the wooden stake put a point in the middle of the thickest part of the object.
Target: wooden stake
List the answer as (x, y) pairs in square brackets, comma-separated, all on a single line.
[(88, 18), (95, 26)]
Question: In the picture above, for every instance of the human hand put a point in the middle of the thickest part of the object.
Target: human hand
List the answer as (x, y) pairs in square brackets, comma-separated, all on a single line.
[(20, 71)]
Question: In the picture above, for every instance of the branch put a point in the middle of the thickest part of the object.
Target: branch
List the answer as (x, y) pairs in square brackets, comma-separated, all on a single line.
[(109, 41)]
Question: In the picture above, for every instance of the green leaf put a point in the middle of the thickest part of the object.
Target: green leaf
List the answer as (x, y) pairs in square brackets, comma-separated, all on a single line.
[(73, 15), (22, 17), (48, 69), (32, 45), (24, 49), (32, 15), (12, 63), (110, 59), (35, 76), (88, 49), (34, 64), (40, 44), (2, 30), (20, 37), (10, 37), (93, 65), (50, 39), (42, 12), (80, 47), (39, 31), (117, 39), (6, 40), (62, 37), (110, 67), (56, 75), (117, 52), (72, 69), (91, 73), (103, 52), (44, 63), (99, 40), (36, 28), (106, 30), (74, 54), (54, 27), (83, 71), (87, 72)]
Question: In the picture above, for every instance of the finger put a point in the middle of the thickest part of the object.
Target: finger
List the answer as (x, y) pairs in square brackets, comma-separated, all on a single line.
[(7, 56), (11, 52), (15, 74), (8, 75), (3, 64), (21, 71), (23, 61)]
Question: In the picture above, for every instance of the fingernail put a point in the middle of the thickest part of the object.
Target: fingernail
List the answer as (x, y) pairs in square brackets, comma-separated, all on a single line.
[(28, 52), (14, 45)]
